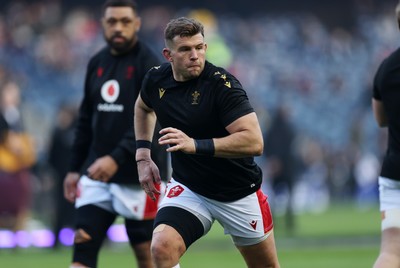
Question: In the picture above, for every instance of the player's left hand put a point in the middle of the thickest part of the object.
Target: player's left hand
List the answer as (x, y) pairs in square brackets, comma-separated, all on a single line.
[(102, 169), (71, 186), (177, 140)]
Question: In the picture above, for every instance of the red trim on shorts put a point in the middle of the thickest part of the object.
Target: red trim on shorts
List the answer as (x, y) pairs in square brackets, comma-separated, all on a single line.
[(265, 211), (150, 209)]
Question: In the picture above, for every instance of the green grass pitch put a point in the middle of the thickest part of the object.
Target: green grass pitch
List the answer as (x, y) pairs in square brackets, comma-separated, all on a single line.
[(340, 237)]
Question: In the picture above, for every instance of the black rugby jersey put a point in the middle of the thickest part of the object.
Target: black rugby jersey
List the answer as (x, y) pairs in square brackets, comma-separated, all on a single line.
[(105, 123), (202, 108), (387, 89)]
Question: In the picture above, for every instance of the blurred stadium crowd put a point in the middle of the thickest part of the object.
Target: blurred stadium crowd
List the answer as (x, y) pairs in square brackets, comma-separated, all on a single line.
[(321, 74)]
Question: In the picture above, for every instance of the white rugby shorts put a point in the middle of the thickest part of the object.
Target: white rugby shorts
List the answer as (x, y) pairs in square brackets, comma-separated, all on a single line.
[(249, 217), (389, 194), (129, 201)]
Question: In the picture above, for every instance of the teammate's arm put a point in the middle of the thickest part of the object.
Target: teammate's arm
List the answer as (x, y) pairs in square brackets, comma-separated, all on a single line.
[(379, 112)]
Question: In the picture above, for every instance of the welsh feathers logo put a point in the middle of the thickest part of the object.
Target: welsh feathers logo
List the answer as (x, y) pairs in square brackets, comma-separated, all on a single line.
[(110, 91), (175, 191)]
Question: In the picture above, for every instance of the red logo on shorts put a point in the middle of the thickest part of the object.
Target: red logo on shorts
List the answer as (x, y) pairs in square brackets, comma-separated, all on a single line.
[(253, 224), (175, 191)]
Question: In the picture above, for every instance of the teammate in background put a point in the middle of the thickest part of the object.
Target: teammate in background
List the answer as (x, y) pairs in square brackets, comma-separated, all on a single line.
[(213, 133), (280, 162), (17, 158), (59, 149), (386, 108), (103, 177)]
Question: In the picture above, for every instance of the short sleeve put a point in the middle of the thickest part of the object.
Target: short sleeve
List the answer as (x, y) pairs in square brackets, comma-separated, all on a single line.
[(377, 83), (144, 91), (233, 101)]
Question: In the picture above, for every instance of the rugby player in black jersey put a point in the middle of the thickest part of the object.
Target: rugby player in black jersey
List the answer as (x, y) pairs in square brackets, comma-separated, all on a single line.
[(213, 134), (386, 108), (103, 178)]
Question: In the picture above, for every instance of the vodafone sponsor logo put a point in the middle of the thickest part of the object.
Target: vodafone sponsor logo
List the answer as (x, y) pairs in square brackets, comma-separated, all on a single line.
[(106, 107), (110, 93)]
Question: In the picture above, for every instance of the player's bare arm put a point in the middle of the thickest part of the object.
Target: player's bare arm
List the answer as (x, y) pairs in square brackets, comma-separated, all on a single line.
[(379, 113), (149, 174), (144, 122), (245, 139)]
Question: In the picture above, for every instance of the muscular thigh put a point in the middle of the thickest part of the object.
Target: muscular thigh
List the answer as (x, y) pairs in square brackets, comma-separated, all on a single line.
[(178, 195), (139, 231), (185, 212), (247, 220)]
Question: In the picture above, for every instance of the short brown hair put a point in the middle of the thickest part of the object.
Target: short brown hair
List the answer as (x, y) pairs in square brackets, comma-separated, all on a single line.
[(183, 27)]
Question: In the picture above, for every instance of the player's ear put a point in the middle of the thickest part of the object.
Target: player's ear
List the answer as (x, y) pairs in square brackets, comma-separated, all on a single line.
[(138, 24), (167, 54), (397, 11), (103, 22)]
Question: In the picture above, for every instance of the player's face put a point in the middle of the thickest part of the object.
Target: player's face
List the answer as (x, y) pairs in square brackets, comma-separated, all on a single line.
[(187, 56), (120, 25)]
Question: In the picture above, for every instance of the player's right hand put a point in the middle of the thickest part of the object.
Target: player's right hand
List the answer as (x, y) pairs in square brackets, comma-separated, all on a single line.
[(149, 175), (71, 186)]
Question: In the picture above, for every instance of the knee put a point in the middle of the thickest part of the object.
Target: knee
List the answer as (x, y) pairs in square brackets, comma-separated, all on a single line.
[(86, 249), (166, 252), (160, 252), (81, 236), (164, 256)]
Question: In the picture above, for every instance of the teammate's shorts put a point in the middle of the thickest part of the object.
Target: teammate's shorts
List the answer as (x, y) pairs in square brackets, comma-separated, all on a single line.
[(389, 194), (129, 201), (249, 217)]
